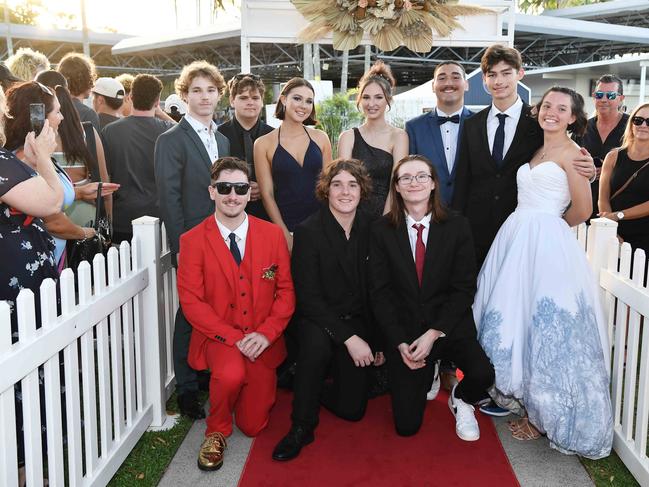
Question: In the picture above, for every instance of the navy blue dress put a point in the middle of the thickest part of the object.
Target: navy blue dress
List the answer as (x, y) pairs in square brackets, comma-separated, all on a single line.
[(294, 184)]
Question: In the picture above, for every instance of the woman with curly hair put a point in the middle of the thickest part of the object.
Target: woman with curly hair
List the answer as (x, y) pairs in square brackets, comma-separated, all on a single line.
[(377, 143)]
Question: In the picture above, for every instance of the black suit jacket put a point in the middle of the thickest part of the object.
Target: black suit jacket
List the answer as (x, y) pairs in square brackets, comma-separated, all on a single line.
[(182, 174), (331, 290), (403, 309), (484, 191)]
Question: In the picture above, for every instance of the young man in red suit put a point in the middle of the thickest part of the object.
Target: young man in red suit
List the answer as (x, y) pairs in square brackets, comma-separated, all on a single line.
[(235, 287)]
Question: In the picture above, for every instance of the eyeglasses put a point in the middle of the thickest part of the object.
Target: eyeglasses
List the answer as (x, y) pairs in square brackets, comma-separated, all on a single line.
[(638, 121), (611, 95), (240, 76), (226, 188), (408, 179)]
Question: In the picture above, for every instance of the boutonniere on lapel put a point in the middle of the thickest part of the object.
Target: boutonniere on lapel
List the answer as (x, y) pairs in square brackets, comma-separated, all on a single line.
[(269, 272)]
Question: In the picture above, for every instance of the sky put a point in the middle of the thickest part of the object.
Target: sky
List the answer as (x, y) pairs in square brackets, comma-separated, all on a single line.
[(139, 17)]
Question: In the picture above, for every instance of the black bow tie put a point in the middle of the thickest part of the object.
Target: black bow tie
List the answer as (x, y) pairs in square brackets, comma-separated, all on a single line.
[(454, 119)]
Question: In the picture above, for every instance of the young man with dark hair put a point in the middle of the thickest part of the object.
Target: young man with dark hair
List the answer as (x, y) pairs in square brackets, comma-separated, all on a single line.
[(436, 134), (183, 158), (234, 284), (129, 145), (247, 100), (80, 72), (107, 98)]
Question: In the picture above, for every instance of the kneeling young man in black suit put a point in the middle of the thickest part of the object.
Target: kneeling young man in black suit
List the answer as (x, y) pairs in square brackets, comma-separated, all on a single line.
[(422, 276), (328, 262)]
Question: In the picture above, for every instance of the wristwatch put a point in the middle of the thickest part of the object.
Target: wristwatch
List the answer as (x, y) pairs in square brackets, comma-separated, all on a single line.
[(620, 215)]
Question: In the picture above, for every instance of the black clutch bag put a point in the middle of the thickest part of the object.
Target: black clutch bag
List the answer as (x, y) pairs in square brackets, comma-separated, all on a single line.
[(86, 249)]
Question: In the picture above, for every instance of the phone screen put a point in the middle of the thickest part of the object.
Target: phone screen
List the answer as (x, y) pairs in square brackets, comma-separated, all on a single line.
[(37, 116)]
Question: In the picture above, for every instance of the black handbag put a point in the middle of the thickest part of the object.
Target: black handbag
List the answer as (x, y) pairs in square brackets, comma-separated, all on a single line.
[(86, 249)]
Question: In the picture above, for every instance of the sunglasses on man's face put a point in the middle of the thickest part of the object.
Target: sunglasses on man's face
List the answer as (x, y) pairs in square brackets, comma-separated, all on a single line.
[(226, 188), (611, 95), (638, 121)]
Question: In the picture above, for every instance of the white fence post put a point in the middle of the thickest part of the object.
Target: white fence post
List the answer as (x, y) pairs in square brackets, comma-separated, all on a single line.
[(146, 230), (600, 233)]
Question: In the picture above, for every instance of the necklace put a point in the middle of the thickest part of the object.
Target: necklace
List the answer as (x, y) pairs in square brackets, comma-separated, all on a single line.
[(549, 149)]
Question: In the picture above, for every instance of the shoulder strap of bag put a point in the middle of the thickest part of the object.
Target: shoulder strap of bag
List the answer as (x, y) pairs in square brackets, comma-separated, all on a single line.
[(630, 180), (98, 204), (91, 143)]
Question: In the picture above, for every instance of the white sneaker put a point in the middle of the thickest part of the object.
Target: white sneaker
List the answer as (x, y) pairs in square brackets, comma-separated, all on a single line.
[(434, 389), (466, 426)]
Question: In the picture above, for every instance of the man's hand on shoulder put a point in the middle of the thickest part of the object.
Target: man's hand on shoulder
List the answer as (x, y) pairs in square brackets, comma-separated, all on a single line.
[(585, 165)]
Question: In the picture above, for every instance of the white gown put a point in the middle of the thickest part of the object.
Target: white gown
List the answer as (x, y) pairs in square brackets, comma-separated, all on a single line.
[(540, 321)]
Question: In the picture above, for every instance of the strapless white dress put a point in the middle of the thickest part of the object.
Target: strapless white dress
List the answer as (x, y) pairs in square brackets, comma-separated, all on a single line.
[(540, 321)]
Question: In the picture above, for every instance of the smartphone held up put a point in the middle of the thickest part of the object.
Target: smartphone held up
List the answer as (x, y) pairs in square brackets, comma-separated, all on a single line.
[(37, 117)]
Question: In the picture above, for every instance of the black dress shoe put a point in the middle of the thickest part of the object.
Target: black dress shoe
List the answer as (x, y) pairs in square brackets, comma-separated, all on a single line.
[(190, 406), (289, 447)]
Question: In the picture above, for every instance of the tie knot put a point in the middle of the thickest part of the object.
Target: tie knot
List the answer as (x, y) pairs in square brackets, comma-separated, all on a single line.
[(501, 117), (233, 238), (419, 227)]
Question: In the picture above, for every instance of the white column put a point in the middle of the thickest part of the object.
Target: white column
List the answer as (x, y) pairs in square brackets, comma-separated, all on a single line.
[(368, 60), (344, 72), (316, 62), (245, 44), (307, 71), (643, 81), (84, 29)]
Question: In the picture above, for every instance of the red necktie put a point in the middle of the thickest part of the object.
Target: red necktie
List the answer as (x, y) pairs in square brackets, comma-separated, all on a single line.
[(420, 251)]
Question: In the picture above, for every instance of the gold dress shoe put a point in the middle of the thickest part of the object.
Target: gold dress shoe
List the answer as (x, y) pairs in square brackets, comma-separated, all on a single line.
[(210, 456)]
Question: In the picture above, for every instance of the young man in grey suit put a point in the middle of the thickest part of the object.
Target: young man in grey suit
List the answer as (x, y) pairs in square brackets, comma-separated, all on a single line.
[(183, 159), (436, 134)]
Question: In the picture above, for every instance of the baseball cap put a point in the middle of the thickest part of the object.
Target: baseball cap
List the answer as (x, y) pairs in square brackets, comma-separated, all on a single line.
[(174, 100), (109, 87)]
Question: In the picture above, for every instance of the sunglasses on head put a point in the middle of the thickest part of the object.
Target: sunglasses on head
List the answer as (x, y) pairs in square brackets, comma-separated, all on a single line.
[(611, 95), (44, 88), (638, 121), (226, 188)]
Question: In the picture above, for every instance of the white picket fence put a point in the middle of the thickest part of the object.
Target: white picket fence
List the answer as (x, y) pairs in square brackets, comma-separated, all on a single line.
[(110, 345)]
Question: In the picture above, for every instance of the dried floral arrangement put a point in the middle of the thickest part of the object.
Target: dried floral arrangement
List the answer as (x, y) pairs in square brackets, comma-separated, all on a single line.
[(389, 23)]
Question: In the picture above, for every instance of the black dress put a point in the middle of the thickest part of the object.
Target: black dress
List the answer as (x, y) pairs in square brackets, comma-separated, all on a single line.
[(379, 164), (27, 249), (635, 231)]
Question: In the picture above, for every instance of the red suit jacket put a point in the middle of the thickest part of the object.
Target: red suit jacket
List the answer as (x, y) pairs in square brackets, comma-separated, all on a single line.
[(208, 290)]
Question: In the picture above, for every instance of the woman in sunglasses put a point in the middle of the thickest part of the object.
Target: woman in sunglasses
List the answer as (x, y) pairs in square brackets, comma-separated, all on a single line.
[(289, 159), (17, 125), (624, 185)]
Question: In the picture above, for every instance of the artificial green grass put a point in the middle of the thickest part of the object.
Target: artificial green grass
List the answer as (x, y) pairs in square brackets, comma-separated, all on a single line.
[(148, 461), (609, 471)]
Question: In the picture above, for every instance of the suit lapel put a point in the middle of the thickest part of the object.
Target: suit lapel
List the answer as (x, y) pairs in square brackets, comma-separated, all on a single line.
[(466, 113), (197, 141), (221, 146), (256, 249), (403, 244), (438, 144), (432, 246), (520, 136), (221, 251), (329, 225)]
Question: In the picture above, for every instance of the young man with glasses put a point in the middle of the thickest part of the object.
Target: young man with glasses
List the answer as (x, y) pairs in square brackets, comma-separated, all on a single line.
[(605, 130), (247, 99), (422, 280), (235, 287), (183, 158)]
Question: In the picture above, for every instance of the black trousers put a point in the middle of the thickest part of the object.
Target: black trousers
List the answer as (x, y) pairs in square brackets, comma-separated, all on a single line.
[(186, 377), (346, 396), (408, 387)]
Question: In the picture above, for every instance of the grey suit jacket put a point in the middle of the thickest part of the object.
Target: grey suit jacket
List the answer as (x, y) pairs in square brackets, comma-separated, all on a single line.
[(182, 173)]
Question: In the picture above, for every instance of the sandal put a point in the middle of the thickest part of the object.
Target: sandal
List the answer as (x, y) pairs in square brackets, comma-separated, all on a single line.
[(516, 424), (526, 432)]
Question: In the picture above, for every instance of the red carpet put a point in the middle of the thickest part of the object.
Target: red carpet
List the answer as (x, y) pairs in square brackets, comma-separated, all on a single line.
[(369, 453)]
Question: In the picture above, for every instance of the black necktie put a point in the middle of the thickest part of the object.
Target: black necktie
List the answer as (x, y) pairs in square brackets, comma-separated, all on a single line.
[(499, 139), (248, 150), (234, 248), (454, 119)]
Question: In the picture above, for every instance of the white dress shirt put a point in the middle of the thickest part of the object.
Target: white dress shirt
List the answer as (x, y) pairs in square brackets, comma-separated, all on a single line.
[(206, 134), (412, 232), (513, 115), (241, 232), (449, 132)]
